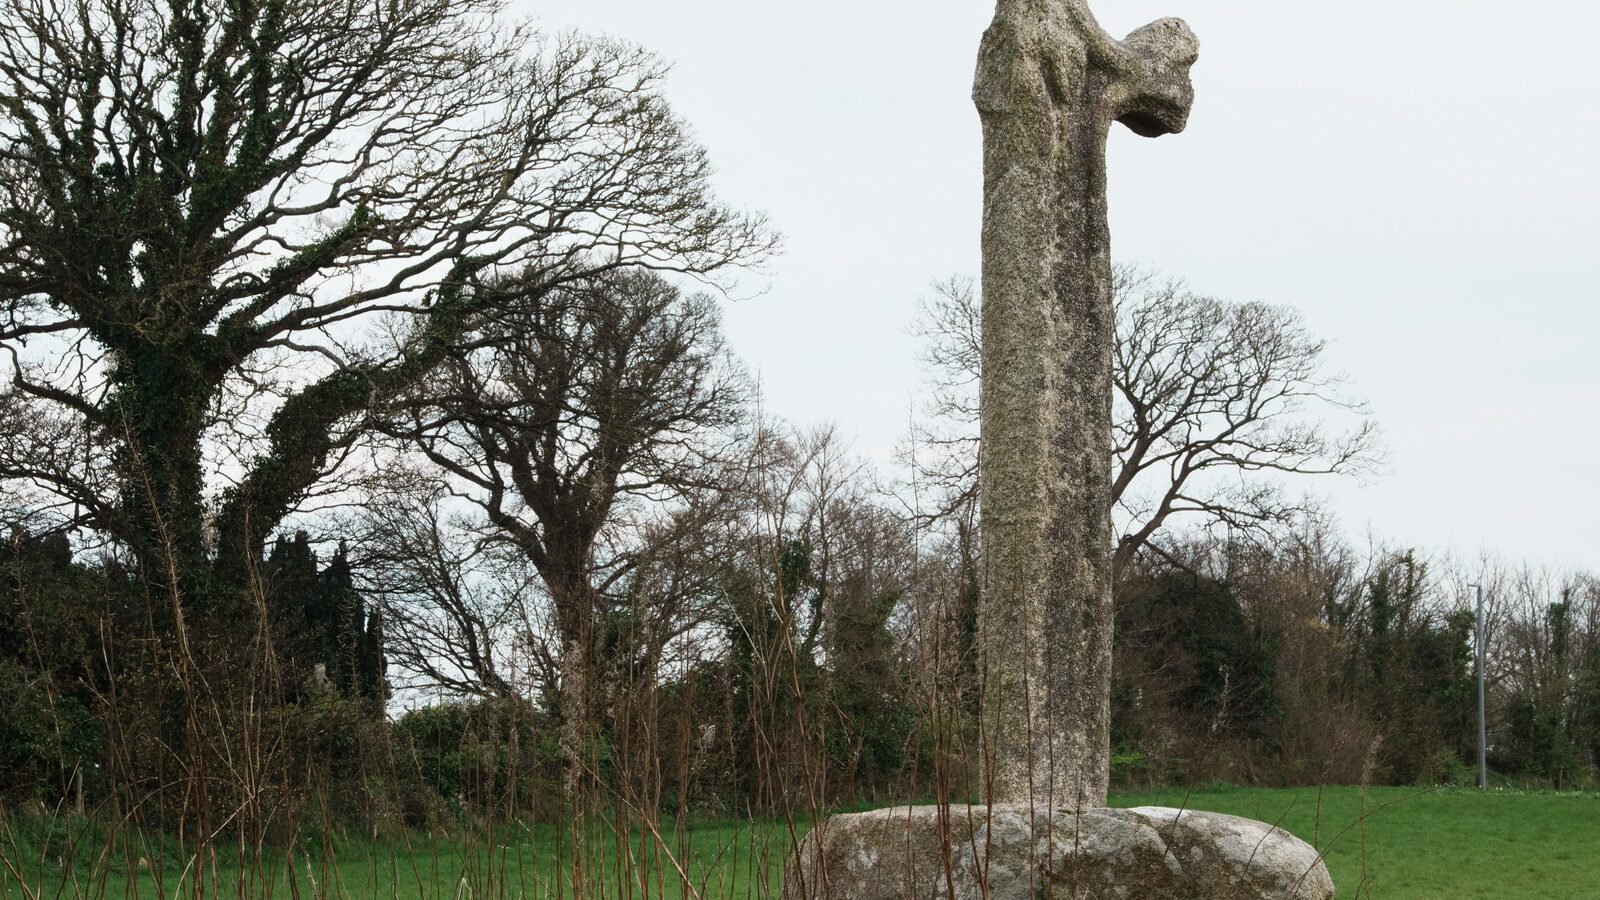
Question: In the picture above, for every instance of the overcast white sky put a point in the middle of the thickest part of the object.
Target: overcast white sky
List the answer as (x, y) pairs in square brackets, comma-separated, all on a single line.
[(1417, 176)]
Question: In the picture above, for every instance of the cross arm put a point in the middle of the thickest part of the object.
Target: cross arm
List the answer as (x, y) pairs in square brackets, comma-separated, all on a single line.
[(1154, 94), (1150, 91)]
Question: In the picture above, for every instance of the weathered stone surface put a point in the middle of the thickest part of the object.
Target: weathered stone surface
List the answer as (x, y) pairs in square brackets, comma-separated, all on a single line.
[(1010, 853), (1050, 84)]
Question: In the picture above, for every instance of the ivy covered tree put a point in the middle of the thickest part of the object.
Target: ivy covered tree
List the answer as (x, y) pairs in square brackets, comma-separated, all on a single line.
[(1412, 666), (865, 690), (208, 207), (1185, 641)]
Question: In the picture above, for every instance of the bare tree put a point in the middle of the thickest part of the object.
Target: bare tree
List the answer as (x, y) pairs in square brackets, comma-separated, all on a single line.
[(581, 413), (1211, 397), (194, 192), (466, 610), (943, 451), (454, 604)]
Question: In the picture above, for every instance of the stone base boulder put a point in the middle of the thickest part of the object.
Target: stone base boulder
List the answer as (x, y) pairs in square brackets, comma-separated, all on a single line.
[(1010, 853)]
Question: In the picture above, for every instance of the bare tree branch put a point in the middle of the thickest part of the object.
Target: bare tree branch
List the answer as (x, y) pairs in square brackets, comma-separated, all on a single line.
[(1213, 400)]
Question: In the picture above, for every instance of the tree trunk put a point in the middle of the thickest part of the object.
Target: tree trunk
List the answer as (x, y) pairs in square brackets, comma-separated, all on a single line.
[(574, 602), (160, 402)]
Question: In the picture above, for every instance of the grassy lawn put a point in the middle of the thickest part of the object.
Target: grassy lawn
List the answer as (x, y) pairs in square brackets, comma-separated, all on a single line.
[(720, 860), (1450, 843)]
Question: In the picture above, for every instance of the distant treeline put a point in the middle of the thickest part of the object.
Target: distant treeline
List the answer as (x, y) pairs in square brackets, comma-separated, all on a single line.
[(841, 672)]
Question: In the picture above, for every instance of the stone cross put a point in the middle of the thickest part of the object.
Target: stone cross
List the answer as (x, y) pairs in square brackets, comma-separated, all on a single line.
[(1049, 85)]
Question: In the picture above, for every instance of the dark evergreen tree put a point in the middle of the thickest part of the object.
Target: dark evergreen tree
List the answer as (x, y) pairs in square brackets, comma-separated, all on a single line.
[(50, 610), (321, 619), (371, 668), (344, 620)]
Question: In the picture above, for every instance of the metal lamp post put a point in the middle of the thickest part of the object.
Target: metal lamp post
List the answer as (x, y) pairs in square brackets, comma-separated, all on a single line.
[(1483, 751)]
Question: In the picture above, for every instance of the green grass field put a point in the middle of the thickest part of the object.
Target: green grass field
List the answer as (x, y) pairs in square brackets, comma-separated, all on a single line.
[(1416, 845), (1411, 844)]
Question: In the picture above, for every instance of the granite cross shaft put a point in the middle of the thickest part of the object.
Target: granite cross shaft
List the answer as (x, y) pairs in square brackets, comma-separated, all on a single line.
[(1049, 86)]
